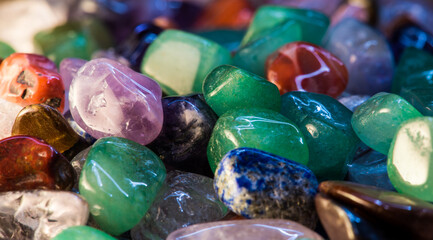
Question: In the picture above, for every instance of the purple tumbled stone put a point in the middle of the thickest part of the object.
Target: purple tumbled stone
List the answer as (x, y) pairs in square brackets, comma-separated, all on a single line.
[(68, 70), (109, 99)]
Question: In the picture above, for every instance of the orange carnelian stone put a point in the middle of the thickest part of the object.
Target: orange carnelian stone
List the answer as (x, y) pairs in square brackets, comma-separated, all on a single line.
[(30, 163), (30, 79), (302, 66)]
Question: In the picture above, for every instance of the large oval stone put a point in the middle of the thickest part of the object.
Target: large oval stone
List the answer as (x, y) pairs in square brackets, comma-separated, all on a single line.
[(257, 184), (110, 99), (256, 128), (119, 180)]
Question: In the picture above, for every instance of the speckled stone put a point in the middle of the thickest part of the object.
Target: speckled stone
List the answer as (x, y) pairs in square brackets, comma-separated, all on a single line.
[(254, 229), (257, 184)]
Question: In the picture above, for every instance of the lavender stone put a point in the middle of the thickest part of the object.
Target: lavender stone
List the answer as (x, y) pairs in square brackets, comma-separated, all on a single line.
[(109, 99), (68, 70)]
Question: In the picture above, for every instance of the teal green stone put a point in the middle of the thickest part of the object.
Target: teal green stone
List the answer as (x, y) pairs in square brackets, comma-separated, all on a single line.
[(326, 125), (313, 24), (230, 39), (252, 56), (410, 158), (73, 40), (5, 50), (119, 180), (228, 87), (179, 61), (376, 120), (258, 128), (414, 70), (420, 98), (82, 232)]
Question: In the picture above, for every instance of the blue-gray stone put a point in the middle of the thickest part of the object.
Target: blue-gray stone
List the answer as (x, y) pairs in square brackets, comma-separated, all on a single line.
[(257, 184)]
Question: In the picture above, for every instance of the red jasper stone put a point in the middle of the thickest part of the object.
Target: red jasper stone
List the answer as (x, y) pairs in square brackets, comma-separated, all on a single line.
[(30, 79), (302, 66), (29, 163)]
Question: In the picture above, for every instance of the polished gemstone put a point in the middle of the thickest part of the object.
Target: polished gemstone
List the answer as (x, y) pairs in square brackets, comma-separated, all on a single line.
[(411, 36), (257, 184), (256, 128), (68, 70), (325, 124), (352, 102), (29, 163), (376, 120), (40, 214), (421, 98), (8, 113), (187, 127), (78, 163), (302, 66), (110, 99), (82, 232), (179, 61), (185, 199), (228, 87), (119, 180), (365, 53), (29, 79)]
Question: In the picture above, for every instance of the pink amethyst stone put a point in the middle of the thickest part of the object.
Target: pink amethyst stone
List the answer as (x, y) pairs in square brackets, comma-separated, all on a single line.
[(109, 99), (68, 70)]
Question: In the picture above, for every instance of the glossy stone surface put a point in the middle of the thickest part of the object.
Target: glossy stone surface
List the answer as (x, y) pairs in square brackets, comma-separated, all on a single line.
[(120, 189), (366, 55), (118, 102), (77, 39), (302, 66), (8, 113), (256, 128), (411, 36), (257, 184), (187, 127), (353, 101), (78, 163), (46, 123), (420, 98), (40, 214), (370, 169), (252, 56), (381, 114), (414, 70), (179, 61), (325, 124), (255, 229), (29, 79), (230, 39), (410, 158), (82, 232), (313, 24), (87, 137), (30, 163), (396, 209), (185, 199), (5, 50), (68, 70), (228, 87), (342, 223)]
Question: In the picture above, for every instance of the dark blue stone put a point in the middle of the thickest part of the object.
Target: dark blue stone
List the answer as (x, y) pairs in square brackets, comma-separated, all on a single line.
[(411, 36), (187, 127), (257, 184)]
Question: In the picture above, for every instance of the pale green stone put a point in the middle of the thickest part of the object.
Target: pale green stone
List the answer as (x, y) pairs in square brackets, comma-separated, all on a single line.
[(179, 61), (82, 232)]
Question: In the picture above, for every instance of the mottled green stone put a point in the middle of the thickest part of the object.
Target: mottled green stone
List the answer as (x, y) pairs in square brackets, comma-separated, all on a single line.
[(179, 61), (5, 50), (119, 180), (82, 232), (259, 128), (414, 70), (252, 56), (410, 158), (228, 87), (313, 24), (73, 40), (230, 39), (377, 119), (325, 123)]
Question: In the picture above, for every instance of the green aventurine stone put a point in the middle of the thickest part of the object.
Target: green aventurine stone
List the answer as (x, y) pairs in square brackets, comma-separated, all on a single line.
[(230, 39), (73, 40), (252, 57), (82, 232), (179, 61), (227, 88), (119, 180), (410, 159), (259, 128), (313, 24), (5, 50), (376, 120), (413, 70), (325, 123)]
